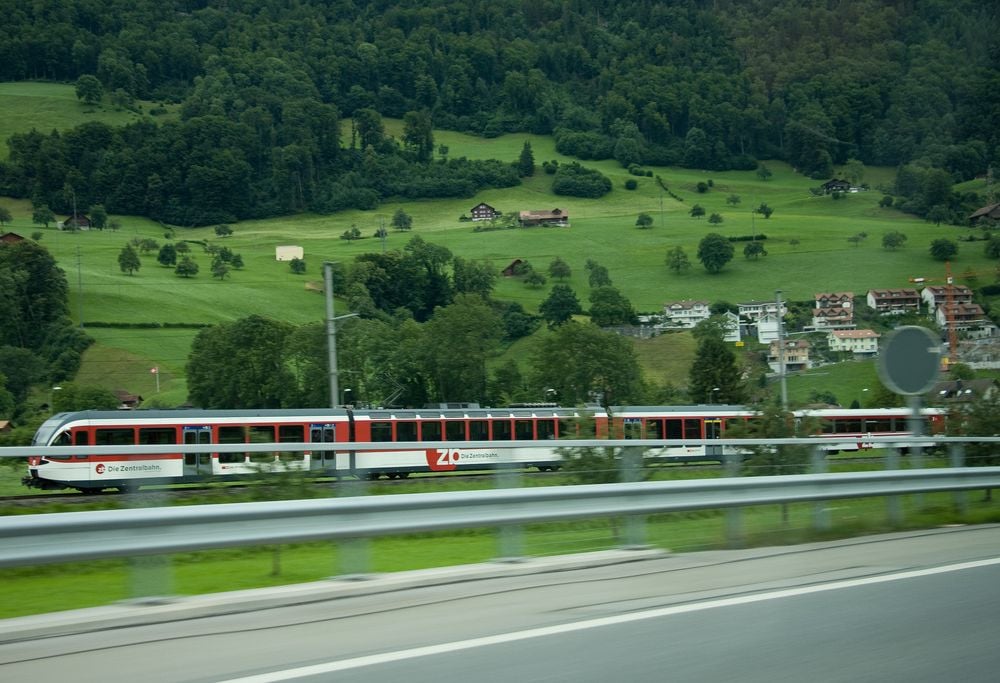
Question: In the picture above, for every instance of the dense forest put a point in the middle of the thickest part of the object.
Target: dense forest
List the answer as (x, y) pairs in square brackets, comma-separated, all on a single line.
[(263, 85)]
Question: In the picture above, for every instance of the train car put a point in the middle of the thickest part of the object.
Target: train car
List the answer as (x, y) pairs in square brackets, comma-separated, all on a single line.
[(401, 432), (90, 472), (851, 429)]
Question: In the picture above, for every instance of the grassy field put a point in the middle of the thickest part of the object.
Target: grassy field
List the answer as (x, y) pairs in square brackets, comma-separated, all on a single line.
[(807, 249), (54, 106)]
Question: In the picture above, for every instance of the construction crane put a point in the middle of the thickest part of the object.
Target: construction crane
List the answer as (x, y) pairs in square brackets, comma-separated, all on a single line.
[(949, 312)]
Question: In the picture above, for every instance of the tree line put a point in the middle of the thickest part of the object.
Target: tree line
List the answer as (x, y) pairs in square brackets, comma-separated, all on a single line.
[(262, 87)]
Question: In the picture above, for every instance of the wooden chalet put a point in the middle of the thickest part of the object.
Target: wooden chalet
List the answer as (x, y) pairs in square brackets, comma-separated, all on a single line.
[(10, 238), (484, 212), (836, 185), (987, 213)]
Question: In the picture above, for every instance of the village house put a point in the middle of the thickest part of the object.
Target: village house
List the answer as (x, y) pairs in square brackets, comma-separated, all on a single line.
[(967, 318), (484, 212), (861, 343), (935, 296), (834, 310), (796, 355), (685, 314), (894, 301), (755, 310), (555, 217)]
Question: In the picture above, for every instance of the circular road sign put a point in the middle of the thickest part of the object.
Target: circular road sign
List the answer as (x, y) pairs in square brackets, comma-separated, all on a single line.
[(910, 360)]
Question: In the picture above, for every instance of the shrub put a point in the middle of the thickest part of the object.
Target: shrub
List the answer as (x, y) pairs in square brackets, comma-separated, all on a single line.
[(631, 184)]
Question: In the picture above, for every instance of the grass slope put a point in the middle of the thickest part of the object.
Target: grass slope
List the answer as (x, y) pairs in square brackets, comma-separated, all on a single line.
[(602, 229)]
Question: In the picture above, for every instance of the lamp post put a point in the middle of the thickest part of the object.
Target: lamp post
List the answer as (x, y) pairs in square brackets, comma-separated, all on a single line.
[(781, 351)]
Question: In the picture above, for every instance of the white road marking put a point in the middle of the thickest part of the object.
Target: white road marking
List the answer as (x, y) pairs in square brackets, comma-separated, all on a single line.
[(445, 648)]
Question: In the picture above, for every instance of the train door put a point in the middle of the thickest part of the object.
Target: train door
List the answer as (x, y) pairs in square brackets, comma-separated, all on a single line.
[(322, 433), (632, 428), (713, 430), (197, 464)]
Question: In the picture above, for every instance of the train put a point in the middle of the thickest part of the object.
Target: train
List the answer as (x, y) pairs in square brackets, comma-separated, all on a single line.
[(839, 430)]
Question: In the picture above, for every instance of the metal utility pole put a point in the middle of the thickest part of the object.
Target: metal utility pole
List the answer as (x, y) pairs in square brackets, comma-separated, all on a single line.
[(79, 286), (781, 352), (331, 333)]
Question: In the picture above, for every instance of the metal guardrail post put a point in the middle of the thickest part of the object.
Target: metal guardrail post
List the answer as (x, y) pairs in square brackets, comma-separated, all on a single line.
[(510, 538), (630, 466), (150, 577), (354, 554), (732, 465), (821, 509), (894, 506), (956, 457)]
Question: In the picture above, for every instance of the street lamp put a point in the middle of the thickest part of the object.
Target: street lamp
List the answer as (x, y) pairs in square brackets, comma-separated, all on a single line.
[(712, 395)]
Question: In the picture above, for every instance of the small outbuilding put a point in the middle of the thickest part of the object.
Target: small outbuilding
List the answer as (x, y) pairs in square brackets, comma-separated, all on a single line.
[(288, 252)]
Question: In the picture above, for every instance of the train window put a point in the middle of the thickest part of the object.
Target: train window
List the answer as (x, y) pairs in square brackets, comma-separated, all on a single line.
[(546, 429), (848, 426), (654, 429), (674, 428), (114, 437), (157, 435), (262, 434), (479, 430), (80, 439), (692, 428), (501, 430), (232, 435), (63, 439), (430, 431), (828, 427), (406, 431), (291, 434), (523, 430), (454, 430), (883, 425), (381, 431)]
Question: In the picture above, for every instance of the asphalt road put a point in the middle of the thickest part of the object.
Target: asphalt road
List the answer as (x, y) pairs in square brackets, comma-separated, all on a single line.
[(913, 607)]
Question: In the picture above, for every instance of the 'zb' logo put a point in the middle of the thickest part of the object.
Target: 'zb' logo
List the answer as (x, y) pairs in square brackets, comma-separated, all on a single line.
[(442, 461)]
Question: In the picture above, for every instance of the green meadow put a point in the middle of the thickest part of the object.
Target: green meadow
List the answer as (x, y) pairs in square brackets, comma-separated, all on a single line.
[(807, 245)]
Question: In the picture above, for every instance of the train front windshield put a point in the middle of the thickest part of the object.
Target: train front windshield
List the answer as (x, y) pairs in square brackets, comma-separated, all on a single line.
[(44, 434)]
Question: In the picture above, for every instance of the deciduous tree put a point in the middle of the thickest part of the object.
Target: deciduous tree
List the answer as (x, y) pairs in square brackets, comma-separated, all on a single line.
[(677, 260), (561, 305), (714, 252), (943, 249), (128, 260)]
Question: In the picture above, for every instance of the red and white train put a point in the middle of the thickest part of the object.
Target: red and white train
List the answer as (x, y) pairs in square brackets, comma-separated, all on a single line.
[(840, 429)]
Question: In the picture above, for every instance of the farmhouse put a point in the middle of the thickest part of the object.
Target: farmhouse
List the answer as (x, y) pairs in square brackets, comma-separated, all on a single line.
[(288, 252), (77, 222), (987, 213), (511, 270), (10, 238), (836, 185), (555, 217), (484, 212)]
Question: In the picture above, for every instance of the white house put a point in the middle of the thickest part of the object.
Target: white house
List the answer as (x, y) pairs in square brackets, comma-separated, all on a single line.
[(858, 342), (686, 313), (287, 253), (935, 296), (755, 310)]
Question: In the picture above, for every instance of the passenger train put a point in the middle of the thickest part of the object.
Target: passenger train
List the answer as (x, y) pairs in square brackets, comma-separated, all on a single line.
[(840, 429)]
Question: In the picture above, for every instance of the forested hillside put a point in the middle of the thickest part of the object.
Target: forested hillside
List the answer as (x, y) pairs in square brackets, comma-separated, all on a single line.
[(264, 85)]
